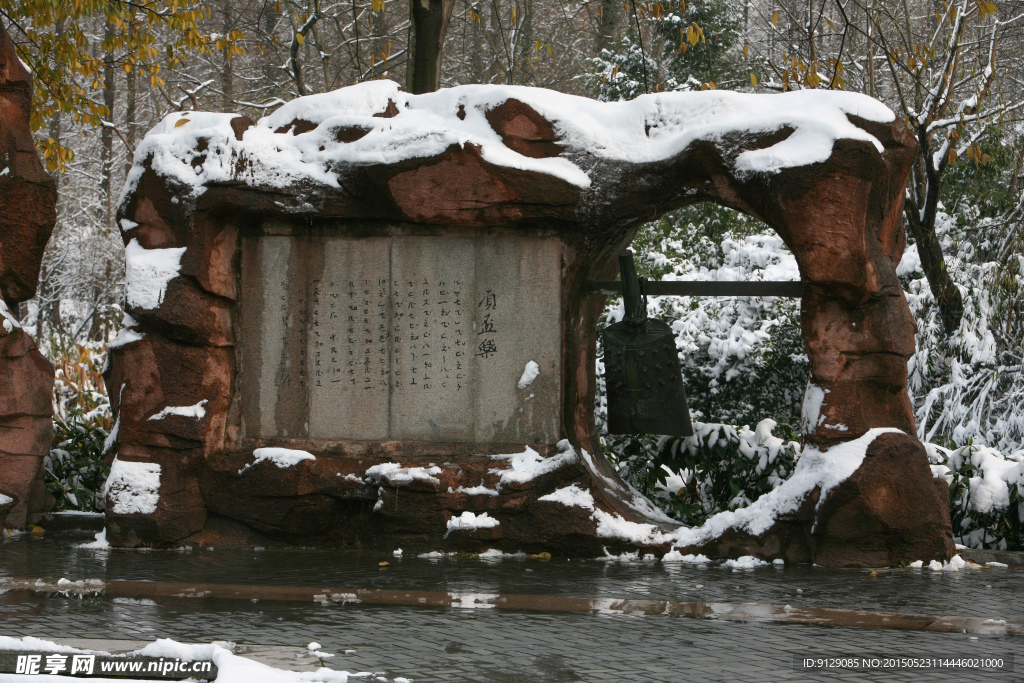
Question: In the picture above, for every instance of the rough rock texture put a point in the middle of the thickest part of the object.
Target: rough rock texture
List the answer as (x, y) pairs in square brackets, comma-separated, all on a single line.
[(841, 217), (27, 215)]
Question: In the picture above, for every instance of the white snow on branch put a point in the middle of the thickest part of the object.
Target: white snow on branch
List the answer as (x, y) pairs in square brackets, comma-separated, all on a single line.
[(147, 272), (133, 487), (197, 411), (195, 149)]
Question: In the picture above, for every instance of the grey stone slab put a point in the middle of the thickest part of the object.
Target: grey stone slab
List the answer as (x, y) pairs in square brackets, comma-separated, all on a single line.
[(432, 376), (516, 312), (348, 341), (400, 338)]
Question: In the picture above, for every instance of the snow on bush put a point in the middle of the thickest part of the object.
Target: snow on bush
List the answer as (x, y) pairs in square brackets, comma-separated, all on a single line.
[(986, 490)]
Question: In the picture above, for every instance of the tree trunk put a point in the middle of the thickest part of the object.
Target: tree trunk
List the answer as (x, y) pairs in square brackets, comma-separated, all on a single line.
[(429, 25), (609, 18), (107, 134)]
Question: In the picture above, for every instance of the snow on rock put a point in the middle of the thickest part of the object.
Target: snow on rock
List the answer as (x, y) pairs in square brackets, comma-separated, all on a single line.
[(480, 490), (127, 334), (197, 148), (816, 468), (495, 555), (4, 500), (814, 396), (196, 411), (570, 496), (100, 542), (147, 272), (231, 668), (674, 555), (469, 521), (530, 373), (10, 323), (397, 475), (529, 464), (133, 487), (282, 457), (918, 564), (745, 562)]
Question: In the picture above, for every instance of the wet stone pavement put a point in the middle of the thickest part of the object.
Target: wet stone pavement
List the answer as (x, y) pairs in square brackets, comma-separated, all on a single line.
[(486, 644)]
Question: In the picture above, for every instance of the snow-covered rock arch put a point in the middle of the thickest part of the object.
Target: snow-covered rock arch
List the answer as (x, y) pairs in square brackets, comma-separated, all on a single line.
[(489, 163)]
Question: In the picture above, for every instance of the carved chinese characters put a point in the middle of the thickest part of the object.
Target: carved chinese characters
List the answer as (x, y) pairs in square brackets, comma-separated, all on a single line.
[(400, 338)]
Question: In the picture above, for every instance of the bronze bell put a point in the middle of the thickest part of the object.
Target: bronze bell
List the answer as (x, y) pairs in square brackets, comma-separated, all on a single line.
[(641, 368)]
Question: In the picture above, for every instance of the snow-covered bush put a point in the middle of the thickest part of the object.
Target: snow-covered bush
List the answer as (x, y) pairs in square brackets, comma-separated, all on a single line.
[(719, 468), (986, 490), (74, 468)]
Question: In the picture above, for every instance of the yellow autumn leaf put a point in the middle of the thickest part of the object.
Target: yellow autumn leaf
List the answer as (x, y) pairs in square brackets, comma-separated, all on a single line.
[(180, 122), (775, 18), (300, 38), (746, 51), (753, 79), (538, 45)]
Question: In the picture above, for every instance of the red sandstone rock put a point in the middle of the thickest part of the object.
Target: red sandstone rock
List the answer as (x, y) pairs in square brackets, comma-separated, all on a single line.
[(842, 218), (27, 216)]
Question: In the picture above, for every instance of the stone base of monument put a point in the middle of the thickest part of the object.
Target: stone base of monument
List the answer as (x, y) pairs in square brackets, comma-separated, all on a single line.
[(527, 502)]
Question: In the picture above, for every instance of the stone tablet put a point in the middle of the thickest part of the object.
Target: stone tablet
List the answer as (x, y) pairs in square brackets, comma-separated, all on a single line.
[(401, 338)]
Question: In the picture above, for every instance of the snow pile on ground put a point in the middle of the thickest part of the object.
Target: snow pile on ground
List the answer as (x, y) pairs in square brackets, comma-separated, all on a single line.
[(100, 542), (197, 411), (197, 148), (745, 562), (529, 464), (133, 487), (495, 555), (147, 272), (231, 668), (397, 475), (530, 373), (674, 555), (282, 457), (469, 521)]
